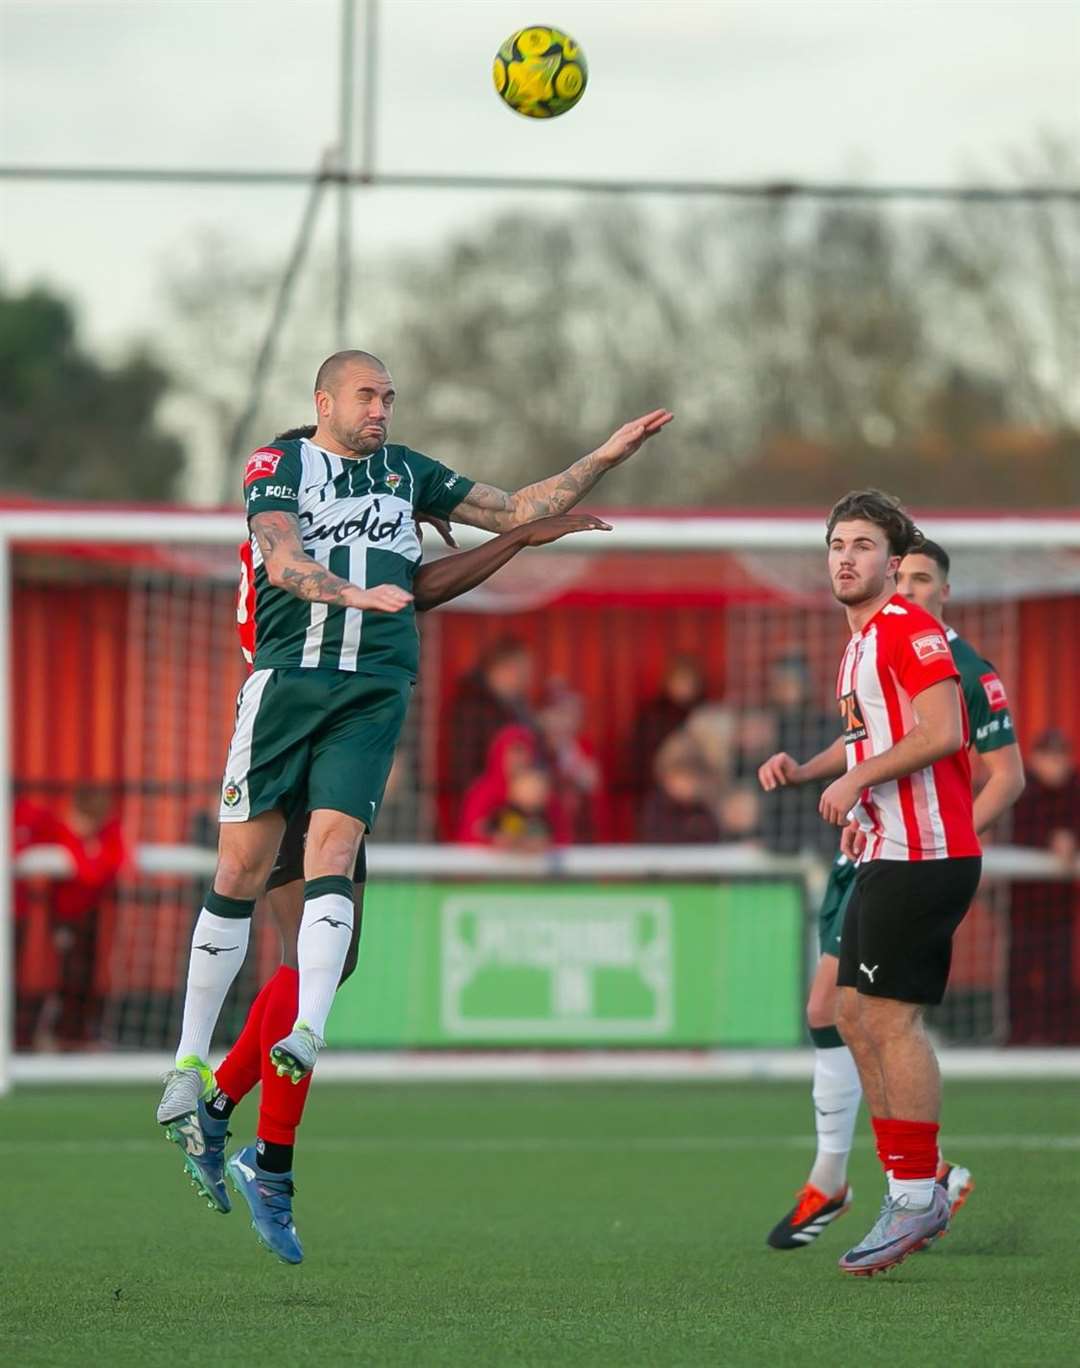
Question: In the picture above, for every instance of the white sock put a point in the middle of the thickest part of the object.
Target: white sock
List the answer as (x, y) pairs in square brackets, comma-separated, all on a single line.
[(918, 1191), (218, 948), (837, 1093), (322, 945)]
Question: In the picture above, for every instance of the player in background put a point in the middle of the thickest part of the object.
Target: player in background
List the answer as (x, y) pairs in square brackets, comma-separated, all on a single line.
[(923, 578), (904, 799), (335, 553)]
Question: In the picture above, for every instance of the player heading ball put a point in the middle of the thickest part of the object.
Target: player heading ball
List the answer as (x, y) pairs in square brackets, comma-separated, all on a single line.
[(335, 554)]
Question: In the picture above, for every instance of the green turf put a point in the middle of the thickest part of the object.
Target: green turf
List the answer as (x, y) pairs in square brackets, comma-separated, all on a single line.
[(524, 1225)]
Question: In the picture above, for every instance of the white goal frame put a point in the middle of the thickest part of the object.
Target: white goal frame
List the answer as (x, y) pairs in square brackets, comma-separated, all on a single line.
[(633, 532)]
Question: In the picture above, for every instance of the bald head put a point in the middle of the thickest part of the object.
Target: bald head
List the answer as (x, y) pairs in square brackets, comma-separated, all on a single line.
[(354, 402), (334, 367)]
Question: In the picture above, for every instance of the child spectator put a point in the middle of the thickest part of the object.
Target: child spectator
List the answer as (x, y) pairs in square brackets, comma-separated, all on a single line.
[(513, 751), (576, 773), (676, 811)]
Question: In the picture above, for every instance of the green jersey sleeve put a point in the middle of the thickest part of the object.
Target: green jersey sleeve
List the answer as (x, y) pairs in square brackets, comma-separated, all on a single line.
[(436, 488), (272, 479), (987, 702)]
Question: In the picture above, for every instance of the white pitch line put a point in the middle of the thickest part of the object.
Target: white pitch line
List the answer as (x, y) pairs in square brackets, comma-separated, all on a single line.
[(674, 1144), (539, 1066)]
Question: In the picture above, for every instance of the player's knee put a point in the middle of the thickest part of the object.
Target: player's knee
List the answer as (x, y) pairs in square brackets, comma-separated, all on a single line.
[(333, 857), (884, 1021), (332, 850), (240, 874), (848, 1019), (821, 1009)]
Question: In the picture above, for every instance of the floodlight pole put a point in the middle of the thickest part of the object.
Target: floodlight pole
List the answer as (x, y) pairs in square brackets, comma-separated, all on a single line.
[(278, 313), (371, 89), (345, 152)]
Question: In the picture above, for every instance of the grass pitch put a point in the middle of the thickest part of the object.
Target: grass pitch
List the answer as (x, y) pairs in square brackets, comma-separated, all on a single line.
[(521, 1225)]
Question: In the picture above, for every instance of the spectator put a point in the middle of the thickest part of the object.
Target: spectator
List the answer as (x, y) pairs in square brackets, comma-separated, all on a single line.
[(1042, 996), (490, 697), (790, 817), (523, 822), (705, 744), (91, 835), (681, 690), (91, 831), (802, 728), (512, 751), (576, 773), (676, 811), (756, 736), (739, 812), (34, 825)]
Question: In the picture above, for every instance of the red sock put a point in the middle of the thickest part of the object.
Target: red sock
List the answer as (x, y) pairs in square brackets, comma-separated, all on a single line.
[(282, 1102), (241, 1068), (908, 1150)]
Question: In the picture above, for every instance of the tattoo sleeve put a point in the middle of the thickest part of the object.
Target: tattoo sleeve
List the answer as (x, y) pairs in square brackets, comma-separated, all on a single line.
[(493, 509), (287, 563)]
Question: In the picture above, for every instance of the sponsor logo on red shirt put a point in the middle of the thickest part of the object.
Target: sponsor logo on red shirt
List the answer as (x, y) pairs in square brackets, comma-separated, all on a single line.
[(995, 692), (854, 726), (930, 644), (261, 463)]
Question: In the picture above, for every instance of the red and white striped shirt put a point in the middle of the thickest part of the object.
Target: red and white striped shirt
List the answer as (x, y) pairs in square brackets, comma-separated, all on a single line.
[(245, 603), (926, 815)]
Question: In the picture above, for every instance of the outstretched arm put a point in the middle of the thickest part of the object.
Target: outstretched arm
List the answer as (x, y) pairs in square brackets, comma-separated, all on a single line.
[(452, 576), (289, 567), (497, 511)]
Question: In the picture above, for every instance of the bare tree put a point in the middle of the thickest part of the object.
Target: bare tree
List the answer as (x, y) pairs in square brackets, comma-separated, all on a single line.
[(780, 332)]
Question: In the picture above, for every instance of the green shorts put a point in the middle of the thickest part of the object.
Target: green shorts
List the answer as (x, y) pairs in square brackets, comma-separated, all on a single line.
[(319, 738), (834, 904)]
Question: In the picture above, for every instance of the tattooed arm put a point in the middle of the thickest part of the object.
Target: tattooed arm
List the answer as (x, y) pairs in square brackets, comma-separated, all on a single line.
[(289, 567), (497, 511)]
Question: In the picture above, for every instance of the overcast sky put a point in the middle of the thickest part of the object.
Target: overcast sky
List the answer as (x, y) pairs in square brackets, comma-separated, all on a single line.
[(726, 89)]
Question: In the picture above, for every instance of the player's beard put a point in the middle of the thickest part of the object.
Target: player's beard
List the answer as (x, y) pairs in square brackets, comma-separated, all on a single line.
[(359, 441), (852, 592)]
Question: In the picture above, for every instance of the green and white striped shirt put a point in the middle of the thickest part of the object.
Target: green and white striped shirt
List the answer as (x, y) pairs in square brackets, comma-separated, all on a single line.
[(356, 518)]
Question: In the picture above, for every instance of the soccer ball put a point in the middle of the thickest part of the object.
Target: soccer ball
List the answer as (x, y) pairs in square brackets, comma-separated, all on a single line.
[(540, 72)]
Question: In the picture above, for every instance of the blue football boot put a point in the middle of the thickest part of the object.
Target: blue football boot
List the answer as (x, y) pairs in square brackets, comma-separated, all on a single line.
[(207, 1170), (269, 1197)]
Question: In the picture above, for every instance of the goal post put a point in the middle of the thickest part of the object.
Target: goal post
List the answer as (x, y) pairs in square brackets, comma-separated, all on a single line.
[(119, 667)]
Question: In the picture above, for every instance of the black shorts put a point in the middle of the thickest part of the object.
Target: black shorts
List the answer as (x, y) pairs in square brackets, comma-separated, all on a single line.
[(899, 925), (289, 864)]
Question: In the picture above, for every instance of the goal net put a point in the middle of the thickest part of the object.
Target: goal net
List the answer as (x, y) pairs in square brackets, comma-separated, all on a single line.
[(573, 854)]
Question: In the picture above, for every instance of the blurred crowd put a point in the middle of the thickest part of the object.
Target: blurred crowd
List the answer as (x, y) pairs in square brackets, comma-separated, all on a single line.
[(524, 774)]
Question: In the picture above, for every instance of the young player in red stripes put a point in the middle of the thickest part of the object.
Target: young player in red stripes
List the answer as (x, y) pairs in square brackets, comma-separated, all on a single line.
[(923, 579), (903, 796)]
